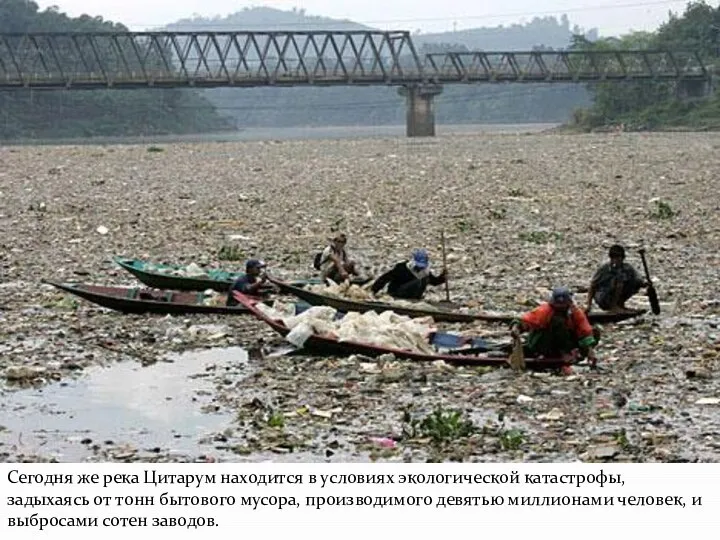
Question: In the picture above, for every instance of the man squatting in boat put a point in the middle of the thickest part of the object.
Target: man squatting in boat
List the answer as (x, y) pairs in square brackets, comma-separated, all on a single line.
[(333, 262), (558, 328), (614, 283), (250, 282), (408, 279)]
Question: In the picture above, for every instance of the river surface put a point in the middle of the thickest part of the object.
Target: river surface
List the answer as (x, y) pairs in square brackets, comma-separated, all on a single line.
[(125, 408), (164, 412), (295, 133)]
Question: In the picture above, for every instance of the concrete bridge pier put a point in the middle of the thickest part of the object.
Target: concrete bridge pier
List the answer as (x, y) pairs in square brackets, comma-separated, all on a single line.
[(420, 120)]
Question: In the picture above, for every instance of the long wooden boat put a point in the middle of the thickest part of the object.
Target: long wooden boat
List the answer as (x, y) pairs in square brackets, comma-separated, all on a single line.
[(170, 276), (439, 315), (325, 345), (141, 300)]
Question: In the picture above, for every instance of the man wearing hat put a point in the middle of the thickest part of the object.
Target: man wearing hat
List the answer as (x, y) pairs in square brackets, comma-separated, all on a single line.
[(250, 282), (614, 283), (557, 328), (409, 279)]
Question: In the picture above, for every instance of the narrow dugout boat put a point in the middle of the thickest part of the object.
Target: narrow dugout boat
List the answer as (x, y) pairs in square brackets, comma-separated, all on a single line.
[(139, 300), (329, 345), (177, 277), (439, 315)]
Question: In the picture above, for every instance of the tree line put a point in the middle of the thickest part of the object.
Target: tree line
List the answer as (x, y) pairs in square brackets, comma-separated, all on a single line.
[(58, 114), (646, 105)]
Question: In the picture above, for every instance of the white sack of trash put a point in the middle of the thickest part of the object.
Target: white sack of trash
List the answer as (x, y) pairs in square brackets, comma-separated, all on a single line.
[(386, 329), (358, 293)]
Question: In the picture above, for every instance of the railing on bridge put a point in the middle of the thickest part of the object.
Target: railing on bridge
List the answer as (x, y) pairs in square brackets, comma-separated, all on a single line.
[(565, 66), (227, 59)]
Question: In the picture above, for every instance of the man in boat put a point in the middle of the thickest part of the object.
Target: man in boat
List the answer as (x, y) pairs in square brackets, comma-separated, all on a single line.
[(250, 282), (408, 279), (558, 328), (333, 262), (614, 283)]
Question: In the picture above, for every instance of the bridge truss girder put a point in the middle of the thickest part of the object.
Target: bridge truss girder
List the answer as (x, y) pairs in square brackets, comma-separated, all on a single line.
[(244, 59), (206, 59), (572, 66)]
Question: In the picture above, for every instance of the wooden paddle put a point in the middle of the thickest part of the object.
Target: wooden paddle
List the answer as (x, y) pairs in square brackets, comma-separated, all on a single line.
[(517, 356), (652, 293), (444, 256)]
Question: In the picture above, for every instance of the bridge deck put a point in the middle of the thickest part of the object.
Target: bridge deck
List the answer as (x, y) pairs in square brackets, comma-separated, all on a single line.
[(330, 58)]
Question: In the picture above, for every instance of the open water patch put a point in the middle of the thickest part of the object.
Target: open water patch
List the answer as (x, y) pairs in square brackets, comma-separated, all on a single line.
[(123, 411)]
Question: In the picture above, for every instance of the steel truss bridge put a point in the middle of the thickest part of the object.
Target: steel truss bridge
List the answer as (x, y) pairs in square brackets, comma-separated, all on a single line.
[(135, 60), (226, 59)]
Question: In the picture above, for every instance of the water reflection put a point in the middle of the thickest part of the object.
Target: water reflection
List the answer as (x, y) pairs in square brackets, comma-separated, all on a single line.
[(156, 406)]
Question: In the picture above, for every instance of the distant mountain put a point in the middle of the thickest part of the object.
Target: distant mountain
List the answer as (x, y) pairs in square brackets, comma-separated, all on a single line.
[(264, 18), (545, 32), (347, 105)]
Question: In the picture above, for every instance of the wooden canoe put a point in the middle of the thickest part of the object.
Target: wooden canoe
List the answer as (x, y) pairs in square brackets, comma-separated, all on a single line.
[(169, 276), (439, 315), (327, 345), (141, 300)]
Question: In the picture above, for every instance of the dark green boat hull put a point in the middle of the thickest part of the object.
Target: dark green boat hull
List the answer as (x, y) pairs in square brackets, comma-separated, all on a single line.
[(217, 280)]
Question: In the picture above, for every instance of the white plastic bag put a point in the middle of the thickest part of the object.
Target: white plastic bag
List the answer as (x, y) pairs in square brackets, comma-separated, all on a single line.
[(300, 334)]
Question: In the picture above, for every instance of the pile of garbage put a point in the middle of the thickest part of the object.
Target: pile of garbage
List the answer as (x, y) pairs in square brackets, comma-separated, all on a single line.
[(352, 291), (213, 298), (387, 329), (192, 270)]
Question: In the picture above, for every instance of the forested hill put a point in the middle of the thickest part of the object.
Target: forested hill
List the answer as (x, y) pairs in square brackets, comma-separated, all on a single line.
[(53, 114), (264, 18), (540, 32), (286, 107), (648, 105)]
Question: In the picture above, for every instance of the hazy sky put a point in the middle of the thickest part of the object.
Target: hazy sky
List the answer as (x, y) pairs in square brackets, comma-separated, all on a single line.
[(610, 16)]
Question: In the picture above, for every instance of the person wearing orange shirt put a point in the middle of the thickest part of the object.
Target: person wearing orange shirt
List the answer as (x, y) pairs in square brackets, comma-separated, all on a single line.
[(558, 328)]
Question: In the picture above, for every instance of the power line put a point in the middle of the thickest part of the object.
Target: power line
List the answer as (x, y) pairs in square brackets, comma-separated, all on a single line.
[(220, 24), (537, 13)]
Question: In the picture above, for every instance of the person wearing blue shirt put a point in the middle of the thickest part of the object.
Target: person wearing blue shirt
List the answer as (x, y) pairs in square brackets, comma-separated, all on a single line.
[(250, 282)]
